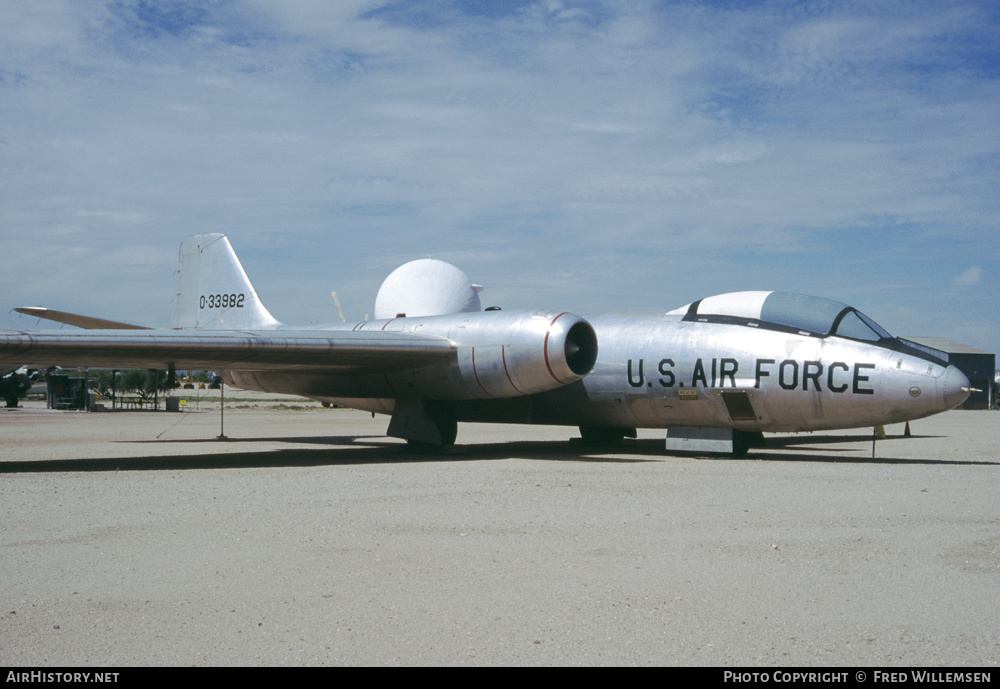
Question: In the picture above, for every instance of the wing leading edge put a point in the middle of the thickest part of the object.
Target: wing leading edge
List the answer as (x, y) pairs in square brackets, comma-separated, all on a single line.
[(268, 350)]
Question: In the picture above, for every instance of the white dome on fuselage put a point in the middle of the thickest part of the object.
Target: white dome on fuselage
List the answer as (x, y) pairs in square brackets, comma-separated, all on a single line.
[(426, 287)]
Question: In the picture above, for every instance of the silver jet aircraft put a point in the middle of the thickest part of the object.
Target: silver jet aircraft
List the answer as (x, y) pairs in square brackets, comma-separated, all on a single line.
[(715, 374)]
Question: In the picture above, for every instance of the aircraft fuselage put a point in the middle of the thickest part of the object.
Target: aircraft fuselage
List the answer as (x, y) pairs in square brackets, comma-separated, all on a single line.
[(711, 374), (660, 371)]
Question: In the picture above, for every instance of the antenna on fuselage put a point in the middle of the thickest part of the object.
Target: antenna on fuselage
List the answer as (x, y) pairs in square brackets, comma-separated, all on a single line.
[(340, 311)]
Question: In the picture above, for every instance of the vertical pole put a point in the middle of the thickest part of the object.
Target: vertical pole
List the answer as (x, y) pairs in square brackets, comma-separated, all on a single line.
[(222, 411)]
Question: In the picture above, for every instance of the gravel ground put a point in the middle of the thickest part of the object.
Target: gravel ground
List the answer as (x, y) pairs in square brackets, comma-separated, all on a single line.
[(308, 538)]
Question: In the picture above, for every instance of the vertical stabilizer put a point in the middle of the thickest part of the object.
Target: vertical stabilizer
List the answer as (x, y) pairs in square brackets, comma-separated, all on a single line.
[(213, 290)]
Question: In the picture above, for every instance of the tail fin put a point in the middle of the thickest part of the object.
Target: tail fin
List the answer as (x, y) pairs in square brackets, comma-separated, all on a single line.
[(213, 290)]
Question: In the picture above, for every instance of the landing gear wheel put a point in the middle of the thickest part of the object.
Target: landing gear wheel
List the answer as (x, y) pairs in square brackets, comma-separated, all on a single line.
[(447, 429), (744, 440)]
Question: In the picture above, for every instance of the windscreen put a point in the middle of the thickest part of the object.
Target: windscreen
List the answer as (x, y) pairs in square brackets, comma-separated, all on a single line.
[(858, 326)]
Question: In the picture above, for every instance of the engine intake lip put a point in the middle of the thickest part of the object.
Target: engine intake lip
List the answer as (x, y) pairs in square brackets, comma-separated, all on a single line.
[(578, 354)]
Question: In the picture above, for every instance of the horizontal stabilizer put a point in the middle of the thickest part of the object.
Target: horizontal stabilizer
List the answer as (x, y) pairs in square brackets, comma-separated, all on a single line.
[(87, 322)]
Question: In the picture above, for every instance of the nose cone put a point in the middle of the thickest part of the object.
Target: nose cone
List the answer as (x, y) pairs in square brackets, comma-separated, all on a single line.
[(953, 388)]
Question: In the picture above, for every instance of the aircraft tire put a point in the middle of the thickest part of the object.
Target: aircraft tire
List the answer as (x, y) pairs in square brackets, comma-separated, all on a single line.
[(744, 440), (447, 428)]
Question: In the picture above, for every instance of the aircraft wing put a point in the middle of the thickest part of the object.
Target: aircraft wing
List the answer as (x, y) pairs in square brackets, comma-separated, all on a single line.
[(266, 350)]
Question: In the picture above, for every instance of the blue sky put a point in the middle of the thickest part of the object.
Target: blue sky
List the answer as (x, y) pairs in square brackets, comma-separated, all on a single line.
[(586, 156)]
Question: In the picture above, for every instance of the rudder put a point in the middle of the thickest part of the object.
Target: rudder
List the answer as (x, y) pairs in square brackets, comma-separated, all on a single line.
[(213, 290)]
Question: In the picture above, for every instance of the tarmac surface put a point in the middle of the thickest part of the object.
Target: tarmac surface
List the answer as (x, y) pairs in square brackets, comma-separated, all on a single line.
[(309, 538)]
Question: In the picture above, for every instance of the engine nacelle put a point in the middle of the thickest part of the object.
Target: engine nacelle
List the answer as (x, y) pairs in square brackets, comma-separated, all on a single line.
[(499, 354)]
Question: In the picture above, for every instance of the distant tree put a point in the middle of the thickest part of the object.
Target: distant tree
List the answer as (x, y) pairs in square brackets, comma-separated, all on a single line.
[(139, 383), (201, 376), (100, 382)]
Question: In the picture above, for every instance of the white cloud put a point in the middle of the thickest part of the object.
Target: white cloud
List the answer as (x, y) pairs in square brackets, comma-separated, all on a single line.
[(687, 148), (972, 276)]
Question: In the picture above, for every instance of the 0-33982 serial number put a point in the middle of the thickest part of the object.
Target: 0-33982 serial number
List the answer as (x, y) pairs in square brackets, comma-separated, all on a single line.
[(221, 301)]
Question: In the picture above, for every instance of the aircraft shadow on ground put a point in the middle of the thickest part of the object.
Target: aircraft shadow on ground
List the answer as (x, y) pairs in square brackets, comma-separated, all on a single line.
[(374, 450), (781, 441)]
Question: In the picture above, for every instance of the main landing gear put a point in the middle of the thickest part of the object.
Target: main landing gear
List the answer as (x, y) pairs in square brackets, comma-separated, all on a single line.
[(423, 425)]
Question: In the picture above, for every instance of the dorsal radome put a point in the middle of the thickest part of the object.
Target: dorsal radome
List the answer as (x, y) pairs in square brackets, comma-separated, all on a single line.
[(426, 287)]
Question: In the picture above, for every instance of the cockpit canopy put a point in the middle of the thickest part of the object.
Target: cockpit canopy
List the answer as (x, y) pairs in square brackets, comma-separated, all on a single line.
[(787, 312)]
